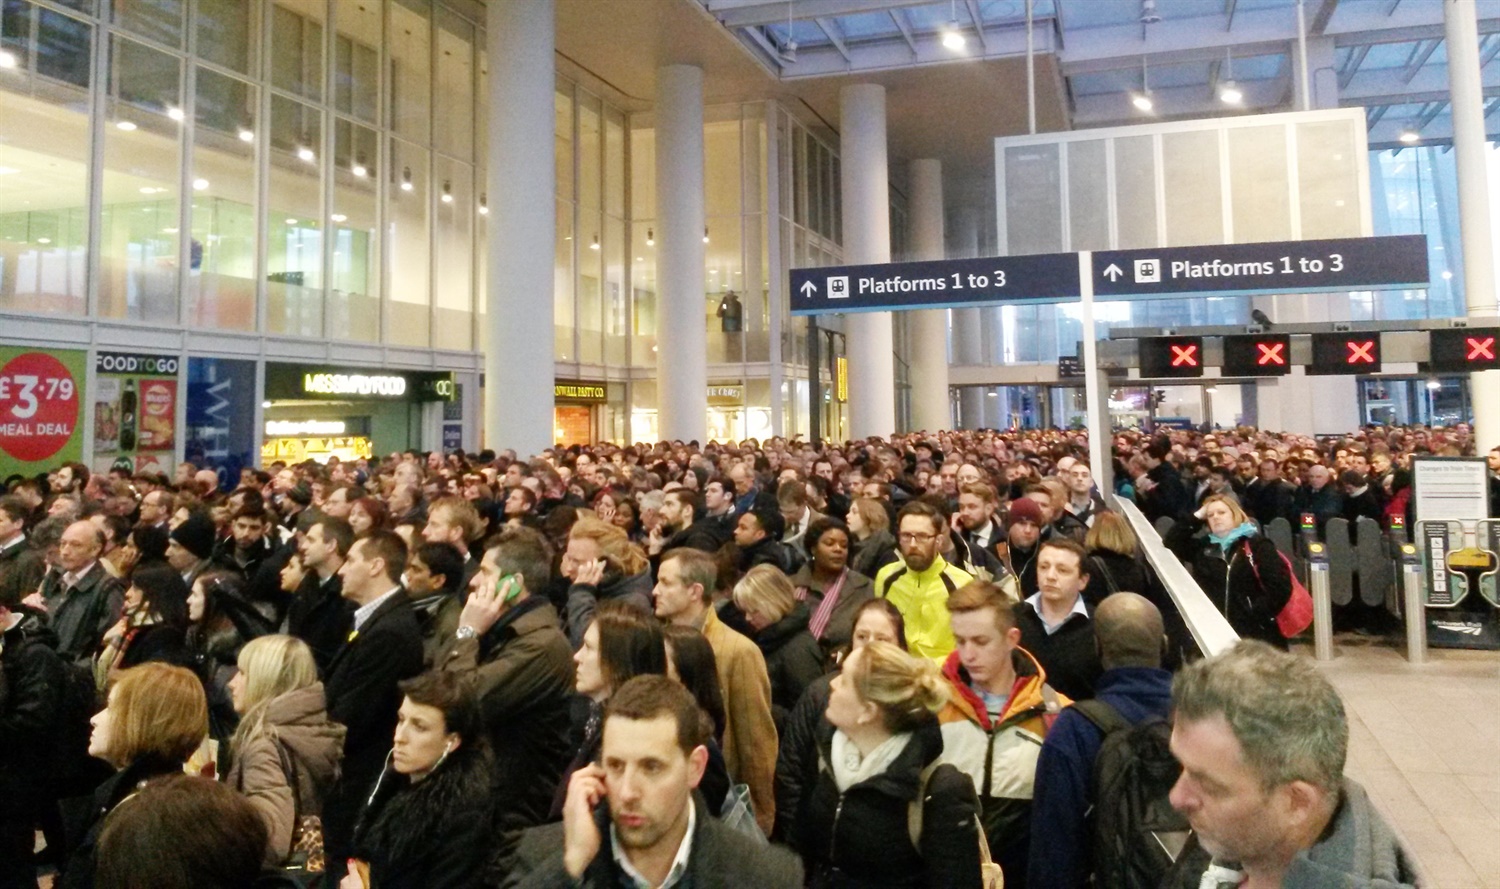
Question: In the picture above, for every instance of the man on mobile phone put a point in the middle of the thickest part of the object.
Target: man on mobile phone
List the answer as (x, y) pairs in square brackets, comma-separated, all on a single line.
[(635, 818), (511, 648)]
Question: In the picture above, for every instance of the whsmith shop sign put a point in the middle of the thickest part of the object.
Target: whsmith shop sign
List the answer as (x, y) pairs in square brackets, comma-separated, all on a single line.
[(291, 382)]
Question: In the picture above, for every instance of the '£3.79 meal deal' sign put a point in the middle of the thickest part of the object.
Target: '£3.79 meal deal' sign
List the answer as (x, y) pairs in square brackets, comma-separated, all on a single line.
[(41, 409)]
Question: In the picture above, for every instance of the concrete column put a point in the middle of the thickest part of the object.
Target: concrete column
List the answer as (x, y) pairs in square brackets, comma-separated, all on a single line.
[(991, 337), (867, 239), (1461, 25), (929, 327), (681, 331), (518, 407), (968, 347)]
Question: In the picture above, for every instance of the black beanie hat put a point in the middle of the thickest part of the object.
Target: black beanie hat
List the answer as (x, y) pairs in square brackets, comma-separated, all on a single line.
[(196, 535)]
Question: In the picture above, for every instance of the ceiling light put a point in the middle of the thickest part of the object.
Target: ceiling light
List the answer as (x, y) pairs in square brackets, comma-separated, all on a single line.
[(1410, 136), (992, 394), (175, 113), (8, 59), (291, 222), (146, 189), (247, 135), (7, 171), (339, 217), (705, 234), (406, 179), (125, 125), (640, 259), (359, 169), (1229, 93), (953, 38), (1434, 385), (484, 205), (650, 237), (44, 240), (200, 184), (447, 192), (1142, 101), (306, 154), (1447, 275)]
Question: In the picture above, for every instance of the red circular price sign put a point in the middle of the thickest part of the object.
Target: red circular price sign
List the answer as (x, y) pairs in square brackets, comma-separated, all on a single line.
[(38, 406)]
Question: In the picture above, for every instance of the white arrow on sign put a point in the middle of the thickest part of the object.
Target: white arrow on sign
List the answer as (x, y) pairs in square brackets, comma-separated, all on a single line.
[(1113, 272), (809, 288)]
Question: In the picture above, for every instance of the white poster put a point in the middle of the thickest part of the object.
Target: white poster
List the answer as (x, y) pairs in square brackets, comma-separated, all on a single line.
[(1450, 488)]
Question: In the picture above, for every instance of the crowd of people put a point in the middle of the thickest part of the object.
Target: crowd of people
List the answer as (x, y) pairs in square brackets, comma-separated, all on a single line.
[(894, 662)]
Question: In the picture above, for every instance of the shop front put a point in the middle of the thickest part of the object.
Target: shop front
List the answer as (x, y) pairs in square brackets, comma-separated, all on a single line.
[(318, 412), (577, 412)]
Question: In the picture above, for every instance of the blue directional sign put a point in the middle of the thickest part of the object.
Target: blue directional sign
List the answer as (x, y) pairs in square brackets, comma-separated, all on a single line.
[(943, 283), (1271, 267)]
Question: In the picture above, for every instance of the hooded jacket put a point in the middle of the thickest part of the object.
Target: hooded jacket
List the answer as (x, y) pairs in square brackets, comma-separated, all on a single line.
[(287, 767), (431, 834), (583, 598), (1358, 850), (861, 837), (794, 660), (1000, 756), (522, 675)]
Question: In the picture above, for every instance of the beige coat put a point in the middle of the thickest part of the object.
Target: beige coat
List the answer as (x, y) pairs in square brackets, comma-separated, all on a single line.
[(296, 747), (750, 742)]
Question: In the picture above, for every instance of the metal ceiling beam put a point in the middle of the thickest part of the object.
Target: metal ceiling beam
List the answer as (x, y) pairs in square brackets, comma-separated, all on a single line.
[(1181, 102), (1229, 9), (1388, 86), (904, 26), (761, 39), (1430, 114), (1007, 40), (831, 30), (973, 7), (1438, 131), (1419, 57), (742, 13), (1321, 18), (1351, 67), (1489, 52), (1375, 114)]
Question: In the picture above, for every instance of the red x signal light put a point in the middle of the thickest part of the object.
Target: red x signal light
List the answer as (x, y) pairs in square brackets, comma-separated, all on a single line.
[(1360, 351), (1185, 356), (1271, 354), (1481, 348)]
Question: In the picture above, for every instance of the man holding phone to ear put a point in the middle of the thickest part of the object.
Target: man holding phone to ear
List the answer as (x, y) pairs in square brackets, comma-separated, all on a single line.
[(635, 819), (511, 648)]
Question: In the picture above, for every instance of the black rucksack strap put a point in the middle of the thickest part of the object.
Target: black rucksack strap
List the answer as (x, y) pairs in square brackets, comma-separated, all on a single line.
[(1104, 717)]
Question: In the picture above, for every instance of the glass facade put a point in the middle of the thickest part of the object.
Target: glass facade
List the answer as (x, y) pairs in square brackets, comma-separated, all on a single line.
[(322, 191)]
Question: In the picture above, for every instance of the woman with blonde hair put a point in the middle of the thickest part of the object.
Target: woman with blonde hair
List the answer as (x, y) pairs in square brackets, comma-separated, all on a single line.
[(1238, 567), (285, 752), (1112, 564), (794, 659), (155, 718), (857, 828)]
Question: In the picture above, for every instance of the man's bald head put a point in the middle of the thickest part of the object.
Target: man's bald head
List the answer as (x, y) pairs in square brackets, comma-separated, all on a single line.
[(1129, 630)]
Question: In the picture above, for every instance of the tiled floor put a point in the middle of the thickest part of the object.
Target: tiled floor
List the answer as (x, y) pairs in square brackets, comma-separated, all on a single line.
[(1425, 741)]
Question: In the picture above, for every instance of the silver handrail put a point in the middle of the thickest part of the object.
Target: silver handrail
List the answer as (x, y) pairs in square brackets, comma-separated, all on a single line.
[(1207, 624)]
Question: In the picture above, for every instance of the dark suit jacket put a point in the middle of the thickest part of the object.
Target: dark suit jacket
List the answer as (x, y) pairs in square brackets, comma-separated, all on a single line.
[(362, 696), (321, 617), (721, 859)]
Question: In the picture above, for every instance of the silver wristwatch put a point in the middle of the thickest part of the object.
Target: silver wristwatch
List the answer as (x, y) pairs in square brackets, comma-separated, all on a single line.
[(465, 633)]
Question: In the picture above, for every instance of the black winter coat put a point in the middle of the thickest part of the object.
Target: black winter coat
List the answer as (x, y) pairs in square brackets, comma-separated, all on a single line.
[(797, 758), (320, 617), (1250, 584), (1171, 497), (32, 677), (84, 835), (862, 838), (1112, 572), (794, 660), (432, 834)]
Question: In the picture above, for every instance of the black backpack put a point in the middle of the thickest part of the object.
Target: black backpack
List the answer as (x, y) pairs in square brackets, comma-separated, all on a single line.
[(1136, 835)]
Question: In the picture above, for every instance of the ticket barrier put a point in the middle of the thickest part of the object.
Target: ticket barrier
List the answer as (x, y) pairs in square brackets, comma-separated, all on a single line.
[(1411, 586), (1318, 586), (1459, 580)]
